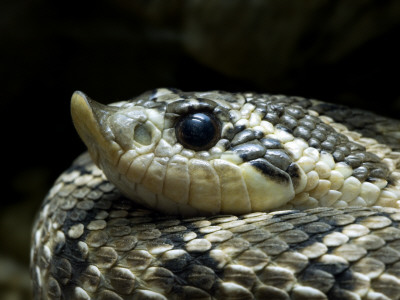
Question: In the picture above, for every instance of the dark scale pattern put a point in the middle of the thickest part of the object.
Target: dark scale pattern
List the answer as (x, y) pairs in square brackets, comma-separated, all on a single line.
[(92, 243), (289, 114), (368, 124), (338, 278), (71, 251), (259, 253)]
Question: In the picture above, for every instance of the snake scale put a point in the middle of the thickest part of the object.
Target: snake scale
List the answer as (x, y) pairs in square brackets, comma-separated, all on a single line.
[(235, 196)]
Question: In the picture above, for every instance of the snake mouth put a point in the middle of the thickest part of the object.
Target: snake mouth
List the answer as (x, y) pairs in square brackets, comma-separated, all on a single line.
[(89, 118)]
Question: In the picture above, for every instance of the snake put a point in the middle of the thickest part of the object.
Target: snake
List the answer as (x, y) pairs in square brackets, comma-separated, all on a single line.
[(218, 195)]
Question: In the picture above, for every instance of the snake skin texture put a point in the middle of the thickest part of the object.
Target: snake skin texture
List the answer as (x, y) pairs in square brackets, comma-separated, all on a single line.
[(334, 234)]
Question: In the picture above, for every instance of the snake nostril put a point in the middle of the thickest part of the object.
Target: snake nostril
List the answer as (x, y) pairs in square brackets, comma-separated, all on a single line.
[(142, 135)]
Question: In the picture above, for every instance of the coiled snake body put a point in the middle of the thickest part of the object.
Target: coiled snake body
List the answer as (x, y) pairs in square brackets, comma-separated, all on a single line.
[(213, 195)]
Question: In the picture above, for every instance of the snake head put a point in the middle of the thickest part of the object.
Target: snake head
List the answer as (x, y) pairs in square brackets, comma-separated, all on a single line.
[(216, 152), (186, 154)]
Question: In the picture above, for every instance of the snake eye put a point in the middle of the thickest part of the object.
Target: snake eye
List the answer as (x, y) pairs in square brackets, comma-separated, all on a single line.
[(198, 131)]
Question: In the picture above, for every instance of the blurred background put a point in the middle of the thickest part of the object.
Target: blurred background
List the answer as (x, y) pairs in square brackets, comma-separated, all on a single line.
[(339, 51)]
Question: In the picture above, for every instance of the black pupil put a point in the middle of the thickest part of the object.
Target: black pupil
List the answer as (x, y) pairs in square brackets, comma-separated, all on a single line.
[(198, 131)]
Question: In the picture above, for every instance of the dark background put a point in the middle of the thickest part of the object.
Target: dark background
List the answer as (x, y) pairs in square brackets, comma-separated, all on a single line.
[(339, 51)]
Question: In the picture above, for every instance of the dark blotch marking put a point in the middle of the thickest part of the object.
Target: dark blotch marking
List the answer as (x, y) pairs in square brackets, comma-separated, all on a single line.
[(328, 146), (179, 263), (361, 173), (244, 136), (318, 134), (228, 133), (262, 111), (346, 280), (354, 147), (294, 173), (315, 143), (278, 158), (296, 112), (182, 107), (316, 278), (77, 215), (268, 169), (353, 161), (238, 128), (277, 108), (302, 132), (59, 247), (338, 155), (270, 143), (61, 269), (379, 173), (272, 118), (333, 138), (286, 114), (249, 151), (258, 134), (284, 128), (288, 121), (309, 124), (70, 251), (344, 149)]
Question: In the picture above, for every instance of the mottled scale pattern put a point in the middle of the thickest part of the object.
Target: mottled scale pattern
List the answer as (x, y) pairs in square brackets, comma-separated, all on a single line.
[(290, 114), (337, 236), (92, 243)]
